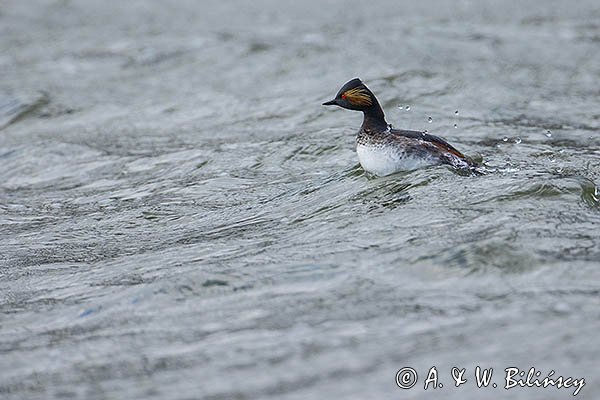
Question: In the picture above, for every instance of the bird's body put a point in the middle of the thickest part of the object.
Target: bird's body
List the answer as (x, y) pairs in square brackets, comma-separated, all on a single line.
[(393, 150), (385, 153), (382, 150)]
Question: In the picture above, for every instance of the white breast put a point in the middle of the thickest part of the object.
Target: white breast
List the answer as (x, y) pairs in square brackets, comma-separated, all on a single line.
[(383, 160)]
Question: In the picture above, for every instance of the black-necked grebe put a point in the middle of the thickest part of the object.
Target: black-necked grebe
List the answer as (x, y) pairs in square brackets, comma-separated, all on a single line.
[(383, 150)]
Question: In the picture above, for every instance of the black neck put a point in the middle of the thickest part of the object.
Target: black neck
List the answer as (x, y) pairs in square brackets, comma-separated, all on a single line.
[(374, 117)]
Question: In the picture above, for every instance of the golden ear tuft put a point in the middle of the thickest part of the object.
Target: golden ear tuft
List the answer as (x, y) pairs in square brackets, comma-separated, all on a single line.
[(359, 97)]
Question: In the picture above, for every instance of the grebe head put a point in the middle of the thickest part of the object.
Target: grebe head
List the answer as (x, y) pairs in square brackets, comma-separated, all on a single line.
[(354, 95)]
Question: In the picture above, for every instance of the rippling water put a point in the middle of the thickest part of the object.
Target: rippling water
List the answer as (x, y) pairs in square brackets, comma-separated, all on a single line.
[(180, 218)]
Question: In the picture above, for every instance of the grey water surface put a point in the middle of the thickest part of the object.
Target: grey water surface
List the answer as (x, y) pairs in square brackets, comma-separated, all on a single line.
[(180, 218)]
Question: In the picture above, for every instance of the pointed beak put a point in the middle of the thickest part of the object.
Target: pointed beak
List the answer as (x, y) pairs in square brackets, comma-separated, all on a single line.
[(331, 103)]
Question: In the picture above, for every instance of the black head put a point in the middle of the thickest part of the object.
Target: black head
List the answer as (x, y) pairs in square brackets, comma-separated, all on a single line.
[(354, 95)]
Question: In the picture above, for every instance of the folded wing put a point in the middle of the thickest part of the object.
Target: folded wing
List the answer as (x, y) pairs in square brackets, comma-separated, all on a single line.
[(436, 141)]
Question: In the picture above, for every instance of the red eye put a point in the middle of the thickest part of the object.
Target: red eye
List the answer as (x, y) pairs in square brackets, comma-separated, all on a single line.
[(344, 96)]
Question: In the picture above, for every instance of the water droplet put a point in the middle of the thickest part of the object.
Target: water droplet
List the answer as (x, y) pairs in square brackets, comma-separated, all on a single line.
[(456, 112), (505, 139), (548, 133), (430, 120), (518, 140), (455, 126), (407, 108)]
